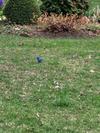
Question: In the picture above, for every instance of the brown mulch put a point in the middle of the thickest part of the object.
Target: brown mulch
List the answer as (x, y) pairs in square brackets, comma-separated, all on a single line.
[(71, 34), (35, 31)]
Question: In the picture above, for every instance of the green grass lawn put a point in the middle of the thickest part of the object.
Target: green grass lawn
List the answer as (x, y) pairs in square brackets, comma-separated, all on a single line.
[(59, 95)]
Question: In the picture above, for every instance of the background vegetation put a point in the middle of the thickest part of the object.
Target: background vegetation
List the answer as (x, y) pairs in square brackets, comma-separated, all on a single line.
[(21, 12)]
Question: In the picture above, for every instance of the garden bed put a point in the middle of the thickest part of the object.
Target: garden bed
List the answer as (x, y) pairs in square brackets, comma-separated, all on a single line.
[(36, 31)]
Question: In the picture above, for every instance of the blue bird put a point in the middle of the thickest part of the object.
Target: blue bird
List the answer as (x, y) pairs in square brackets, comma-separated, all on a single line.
[(39, 59)]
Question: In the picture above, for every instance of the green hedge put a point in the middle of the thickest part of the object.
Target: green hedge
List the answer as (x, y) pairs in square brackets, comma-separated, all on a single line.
[(21, 11), (65, 6)]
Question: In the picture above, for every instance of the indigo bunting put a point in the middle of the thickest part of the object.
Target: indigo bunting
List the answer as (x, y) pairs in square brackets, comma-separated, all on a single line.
[(39, 59)]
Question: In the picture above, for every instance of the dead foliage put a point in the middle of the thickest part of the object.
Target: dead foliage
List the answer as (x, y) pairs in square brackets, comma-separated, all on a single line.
[(59, 23)]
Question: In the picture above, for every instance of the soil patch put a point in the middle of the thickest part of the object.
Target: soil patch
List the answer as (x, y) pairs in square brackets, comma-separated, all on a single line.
[(67, 34), (35, 31)]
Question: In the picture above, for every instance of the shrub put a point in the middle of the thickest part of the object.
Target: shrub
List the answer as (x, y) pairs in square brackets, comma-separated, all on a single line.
[(21, 11), (61, 23), (65, 6)]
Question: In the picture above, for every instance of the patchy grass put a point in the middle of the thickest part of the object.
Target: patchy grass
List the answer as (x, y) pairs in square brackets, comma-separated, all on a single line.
[(59, 95)]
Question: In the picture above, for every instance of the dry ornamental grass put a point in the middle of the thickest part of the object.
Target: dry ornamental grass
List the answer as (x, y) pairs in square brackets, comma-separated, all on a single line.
[(59, 23)]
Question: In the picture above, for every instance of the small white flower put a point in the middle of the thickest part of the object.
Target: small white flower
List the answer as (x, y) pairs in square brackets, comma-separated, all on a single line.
[(17, 29), (57, 86), (34, 83), (92, 71), (90, 57), (4, 18), (38, 115), (55, 82)]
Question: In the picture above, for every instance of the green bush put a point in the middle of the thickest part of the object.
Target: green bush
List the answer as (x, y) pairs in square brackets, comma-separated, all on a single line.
[(21, 11), (65, 6)]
